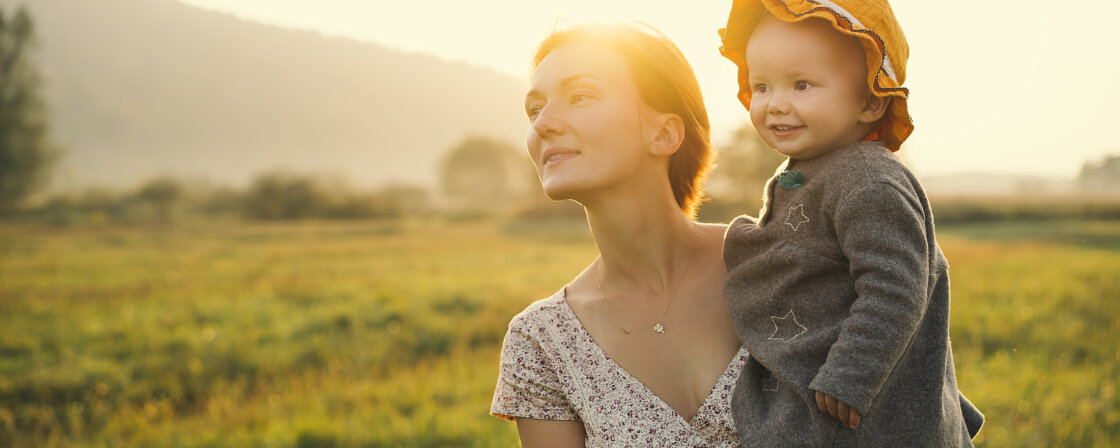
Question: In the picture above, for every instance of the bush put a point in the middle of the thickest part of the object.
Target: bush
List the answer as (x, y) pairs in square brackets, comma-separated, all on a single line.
[(282, 196)]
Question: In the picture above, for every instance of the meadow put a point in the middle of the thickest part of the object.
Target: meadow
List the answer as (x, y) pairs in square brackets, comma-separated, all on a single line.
[(387, 333)]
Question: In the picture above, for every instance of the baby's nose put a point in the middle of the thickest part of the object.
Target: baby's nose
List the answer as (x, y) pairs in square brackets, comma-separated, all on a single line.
[(778, 104)]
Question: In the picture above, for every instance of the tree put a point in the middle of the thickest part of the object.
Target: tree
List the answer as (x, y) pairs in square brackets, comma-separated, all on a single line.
[(483, 174), (26, 153), (1101, 176), (281, 197), (161, 194), (735, 186)]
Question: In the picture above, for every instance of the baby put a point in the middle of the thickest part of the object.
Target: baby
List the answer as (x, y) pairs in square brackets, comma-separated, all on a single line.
[(838, 289)]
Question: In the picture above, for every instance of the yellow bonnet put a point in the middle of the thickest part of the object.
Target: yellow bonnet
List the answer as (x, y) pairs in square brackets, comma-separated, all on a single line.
[(871, 21)]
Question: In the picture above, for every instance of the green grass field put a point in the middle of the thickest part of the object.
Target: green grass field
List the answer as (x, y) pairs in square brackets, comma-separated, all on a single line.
[(387, 334)]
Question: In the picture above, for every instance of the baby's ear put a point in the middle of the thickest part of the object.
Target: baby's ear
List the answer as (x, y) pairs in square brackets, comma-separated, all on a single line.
[(874, 108)]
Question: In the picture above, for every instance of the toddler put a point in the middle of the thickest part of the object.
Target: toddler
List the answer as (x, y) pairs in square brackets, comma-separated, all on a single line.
[(838, 289)]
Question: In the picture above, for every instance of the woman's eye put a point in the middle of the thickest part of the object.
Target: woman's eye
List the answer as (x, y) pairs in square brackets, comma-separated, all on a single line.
[(801, 85), (577, 97), (532, 112)]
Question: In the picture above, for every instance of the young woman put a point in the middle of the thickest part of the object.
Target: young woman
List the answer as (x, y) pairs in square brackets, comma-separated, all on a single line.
[(638, 350)]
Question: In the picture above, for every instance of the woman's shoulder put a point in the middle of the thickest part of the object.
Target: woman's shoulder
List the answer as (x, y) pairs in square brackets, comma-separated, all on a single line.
[(543, 333), (532, 320), (711, 235), (711, 230)]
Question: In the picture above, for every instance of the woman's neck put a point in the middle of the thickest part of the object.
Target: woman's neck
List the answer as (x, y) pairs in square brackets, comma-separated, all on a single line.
[(643, 243)]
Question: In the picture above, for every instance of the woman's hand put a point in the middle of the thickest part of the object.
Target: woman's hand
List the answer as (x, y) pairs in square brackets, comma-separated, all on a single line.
[(838, 409)]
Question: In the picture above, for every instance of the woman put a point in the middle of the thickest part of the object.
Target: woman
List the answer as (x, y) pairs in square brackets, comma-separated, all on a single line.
[(638, 349)]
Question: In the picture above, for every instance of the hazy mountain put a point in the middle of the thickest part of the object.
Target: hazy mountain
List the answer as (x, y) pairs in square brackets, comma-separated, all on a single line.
[(990, 184), (144, 87)]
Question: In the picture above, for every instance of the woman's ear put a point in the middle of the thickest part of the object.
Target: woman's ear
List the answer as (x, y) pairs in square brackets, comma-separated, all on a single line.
[(874, 108), (669, 136)]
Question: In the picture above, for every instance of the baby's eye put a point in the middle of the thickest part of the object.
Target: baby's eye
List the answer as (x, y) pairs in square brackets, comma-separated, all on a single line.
[(801, 85), (761, 88)]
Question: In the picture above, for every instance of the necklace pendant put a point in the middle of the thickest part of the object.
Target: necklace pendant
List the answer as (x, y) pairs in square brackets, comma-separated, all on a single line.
[(659, 328)]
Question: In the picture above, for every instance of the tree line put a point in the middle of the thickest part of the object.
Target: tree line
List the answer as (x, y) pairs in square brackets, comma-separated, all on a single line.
[(273, 196)]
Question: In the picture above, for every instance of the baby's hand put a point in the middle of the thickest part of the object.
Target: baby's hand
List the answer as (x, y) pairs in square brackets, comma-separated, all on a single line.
[(838, 409)]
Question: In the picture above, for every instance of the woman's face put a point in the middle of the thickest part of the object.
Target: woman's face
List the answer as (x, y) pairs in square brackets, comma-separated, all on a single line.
[(587, 122)]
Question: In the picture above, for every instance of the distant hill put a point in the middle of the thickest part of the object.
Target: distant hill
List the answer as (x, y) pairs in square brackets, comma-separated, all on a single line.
[(989, 184), (138, 88)]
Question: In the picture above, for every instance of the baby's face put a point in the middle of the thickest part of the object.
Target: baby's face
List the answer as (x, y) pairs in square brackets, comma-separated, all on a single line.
[(808, 87)]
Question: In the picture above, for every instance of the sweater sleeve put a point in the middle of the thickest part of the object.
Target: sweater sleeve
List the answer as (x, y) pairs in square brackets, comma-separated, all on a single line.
[(882, 232)]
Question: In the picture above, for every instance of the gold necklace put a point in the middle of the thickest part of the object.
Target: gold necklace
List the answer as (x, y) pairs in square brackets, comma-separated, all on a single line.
[(658, 327)]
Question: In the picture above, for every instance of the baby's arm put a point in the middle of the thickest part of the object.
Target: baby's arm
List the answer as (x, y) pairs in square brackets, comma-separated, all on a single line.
[(882, 231)]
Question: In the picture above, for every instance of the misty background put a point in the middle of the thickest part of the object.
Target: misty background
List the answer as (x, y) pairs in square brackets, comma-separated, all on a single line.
[(140, 88), (141, 92)]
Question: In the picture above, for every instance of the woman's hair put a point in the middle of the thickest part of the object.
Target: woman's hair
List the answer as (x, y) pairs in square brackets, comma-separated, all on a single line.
[(667, 84)]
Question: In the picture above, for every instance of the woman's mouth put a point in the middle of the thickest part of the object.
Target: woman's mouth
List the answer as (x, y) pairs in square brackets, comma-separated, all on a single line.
[(554, 157)]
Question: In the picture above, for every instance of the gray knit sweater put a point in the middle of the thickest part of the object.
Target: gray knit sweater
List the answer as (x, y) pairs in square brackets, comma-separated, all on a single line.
[(840, 287)]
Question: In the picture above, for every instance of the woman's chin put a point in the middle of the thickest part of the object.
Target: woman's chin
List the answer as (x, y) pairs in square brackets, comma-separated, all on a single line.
[(559, 189), (558, 194)]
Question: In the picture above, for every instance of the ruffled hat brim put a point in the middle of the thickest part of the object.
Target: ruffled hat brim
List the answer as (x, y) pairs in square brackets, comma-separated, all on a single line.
[(870, 21)]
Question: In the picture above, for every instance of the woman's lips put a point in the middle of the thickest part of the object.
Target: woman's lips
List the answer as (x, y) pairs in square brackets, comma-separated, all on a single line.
[(554, 157)]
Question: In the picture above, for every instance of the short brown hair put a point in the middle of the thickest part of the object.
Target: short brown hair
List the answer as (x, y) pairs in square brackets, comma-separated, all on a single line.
[(667, 84)]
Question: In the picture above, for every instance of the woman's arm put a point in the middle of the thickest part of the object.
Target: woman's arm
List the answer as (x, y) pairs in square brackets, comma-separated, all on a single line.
[(550, 433)]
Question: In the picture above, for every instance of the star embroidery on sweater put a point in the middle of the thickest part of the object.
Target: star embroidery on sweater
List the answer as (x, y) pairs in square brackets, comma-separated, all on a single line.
[(797, 220), (786, 328), (771, 384)]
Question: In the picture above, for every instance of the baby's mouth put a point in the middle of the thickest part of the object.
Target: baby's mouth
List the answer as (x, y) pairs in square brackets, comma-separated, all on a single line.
[(785, 130)]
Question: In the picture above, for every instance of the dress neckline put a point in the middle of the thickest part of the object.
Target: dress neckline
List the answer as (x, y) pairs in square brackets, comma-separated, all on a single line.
[(736, 361)]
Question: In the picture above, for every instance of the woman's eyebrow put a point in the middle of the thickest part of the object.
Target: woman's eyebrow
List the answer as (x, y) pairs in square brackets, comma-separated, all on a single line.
[(563, 84), (572, 79)]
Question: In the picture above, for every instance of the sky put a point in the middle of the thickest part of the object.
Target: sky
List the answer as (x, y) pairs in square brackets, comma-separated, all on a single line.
[(995, 86)]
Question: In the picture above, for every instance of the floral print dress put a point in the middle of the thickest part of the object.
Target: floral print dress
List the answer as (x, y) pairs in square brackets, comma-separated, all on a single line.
[(551, 369)]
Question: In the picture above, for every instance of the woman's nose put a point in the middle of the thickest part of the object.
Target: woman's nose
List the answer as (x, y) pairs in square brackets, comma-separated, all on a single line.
[(548, 122)]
